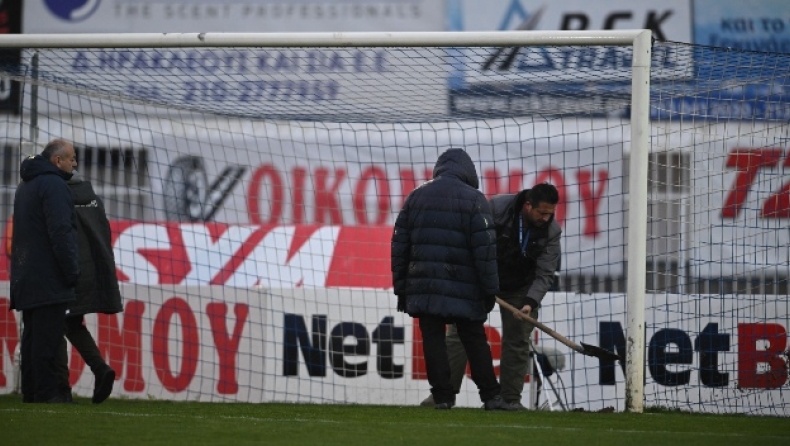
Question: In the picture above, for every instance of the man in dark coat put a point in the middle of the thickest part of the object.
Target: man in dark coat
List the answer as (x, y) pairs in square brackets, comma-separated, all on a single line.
[(444, 271), (97, 288), (44, 265), (528, 254)]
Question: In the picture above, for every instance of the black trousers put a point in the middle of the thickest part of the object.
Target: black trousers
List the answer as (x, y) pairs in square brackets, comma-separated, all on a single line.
[(434, 348), (79, 336), (42, 335)]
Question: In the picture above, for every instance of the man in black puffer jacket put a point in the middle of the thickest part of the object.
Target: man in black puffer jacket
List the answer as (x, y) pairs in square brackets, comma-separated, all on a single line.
[(444, 271), (44, 265)]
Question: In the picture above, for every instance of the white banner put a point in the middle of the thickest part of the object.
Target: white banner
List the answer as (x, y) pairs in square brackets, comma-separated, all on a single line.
[(762, 25), (323, 84), (670, 20), (350, 346), (741, 201), (526, 66), (353, 175), (274, 174), (181, 16)]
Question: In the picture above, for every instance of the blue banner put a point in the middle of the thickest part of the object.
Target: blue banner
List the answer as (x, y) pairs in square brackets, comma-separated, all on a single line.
[(754, 25)]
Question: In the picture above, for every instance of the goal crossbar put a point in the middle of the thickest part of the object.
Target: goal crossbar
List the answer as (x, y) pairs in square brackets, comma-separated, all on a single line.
[(338, 39)]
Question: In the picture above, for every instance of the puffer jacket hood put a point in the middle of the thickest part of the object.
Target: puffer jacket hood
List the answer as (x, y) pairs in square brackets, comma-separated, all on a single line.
[(83, 192), (457, 163), (35, 165)]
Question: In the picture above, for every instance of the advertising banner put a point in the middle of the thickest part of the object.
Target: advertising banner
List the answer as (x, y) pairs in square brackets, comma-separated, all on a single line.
[(750, 30), (669, 20), (295, 83), (313, 84), (351, 175), (351, 346), (257, 183), (594, 81), (754, 25), (262, 16), (741, 198)]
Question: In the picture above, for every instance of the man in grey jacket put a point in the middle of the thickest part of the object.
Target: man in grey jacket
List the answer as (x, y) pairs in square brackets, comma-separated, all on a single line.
[(528, 254)]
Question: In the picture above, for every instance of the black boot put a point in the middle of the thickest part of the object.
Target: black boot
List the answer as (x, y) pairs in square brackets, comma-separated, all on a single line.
[(103, 387)]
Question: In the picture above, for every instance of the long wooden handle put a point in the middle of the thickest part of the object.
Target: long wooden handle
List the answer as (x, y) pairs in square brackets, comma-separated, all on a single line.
[(540, 325)]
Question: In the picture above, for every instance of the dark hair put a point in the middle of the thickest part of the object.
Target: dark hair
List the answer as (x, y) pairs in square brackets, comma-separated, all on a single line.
[(543, 193), (54, 148)]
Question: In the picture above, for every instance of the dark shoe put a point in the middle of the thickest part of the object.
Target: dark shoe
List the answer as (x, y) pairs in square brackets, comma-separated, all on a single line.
[(103, 387), (497, 403), (444, 406), (517, 405), (60, 399), (428, 402), (27, 399)]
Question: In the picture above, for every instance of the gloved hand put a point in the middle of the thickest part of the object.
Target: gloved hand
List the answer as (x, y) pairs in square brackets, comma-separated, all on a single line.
[(489, 302), (401, 303)]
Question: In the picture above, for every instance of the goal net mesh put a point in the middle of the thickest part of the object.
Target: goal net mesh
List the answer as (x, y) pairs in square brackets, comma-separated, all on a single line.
[(252, 192)]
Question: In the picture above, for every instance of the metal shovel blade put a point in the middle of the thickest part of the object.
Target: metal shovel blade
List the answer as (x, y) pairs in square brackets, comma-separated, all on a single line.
[(598, 352), (585, 349)]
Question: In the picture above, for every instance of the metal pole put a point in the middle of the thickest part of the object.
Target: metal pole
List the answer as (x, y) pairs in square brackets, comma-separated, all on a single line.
[(637, 223), (34, 100)]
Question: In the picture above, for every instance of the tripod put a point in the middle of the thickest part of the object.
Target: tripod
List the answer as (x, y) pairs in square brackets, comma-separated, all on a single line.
[(543, 370)]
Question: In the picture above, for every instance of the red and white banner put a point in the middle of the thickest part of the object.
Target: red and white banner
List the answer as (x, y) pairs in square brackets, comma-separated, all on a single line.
[(353, 175), (282, 205), (351, 346), (741, 201), (250, 256)]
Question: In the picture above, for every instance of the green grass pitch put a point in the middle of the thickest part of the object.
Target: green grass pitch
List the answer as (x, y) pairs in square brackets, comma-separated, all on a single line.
[(138, 422)]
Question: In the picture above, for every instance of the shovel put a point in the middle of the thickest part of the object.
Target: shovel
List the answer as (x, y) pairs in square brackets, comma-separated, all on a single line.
[(585, 349)]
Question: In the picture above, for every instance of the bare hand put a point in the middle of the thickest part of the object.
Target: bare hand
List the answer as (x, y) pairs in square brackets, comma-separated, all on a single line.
[(526, 309)]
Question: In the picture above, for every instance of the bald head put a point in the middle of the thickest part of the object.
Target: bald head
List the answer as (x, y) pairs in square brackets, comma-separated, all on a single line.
[(61, 153)]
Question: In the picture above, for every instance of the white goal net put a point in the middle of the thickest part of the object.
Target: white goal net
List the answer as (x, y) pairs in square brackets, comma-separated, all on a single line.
[(252, 189)]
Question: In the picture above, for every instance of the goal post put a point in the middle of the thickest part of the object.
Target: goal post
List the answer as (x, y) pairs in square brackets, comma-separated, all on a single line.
[(637, 222), (252, 181), (640, 40)]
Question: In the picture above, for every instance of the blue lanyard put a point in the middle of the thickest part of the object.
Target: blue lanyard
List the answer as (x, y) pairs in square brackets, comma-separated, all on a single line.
[(523, 239)]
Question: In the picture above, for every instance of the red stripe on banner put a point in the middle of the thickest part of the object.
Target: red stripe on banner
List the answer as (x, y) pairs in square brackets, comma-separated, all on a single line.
[(362, 258), (241, 255), (302, 234)]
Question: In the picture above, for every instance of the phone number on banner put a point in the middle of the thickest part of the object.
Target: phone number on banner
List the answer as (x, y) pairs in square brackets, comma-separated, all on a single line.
[(246, 91)]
